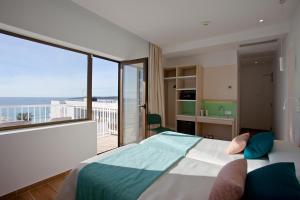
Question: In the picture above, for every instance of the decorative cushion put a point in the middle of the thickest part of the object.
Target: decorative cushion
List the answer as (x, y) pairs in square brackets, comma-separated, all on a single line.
[(230, 182), (238, 144), (259, 145), (272, 182)]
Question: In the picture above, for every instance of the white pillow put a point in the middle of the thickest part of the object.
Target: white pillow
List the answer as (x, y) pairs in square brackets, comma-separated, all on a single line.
[(285, 152)]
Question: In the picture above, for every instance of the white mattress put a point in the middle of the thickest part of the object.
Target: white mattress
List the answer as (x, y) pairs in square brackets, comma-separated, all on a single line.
[(213, 151)]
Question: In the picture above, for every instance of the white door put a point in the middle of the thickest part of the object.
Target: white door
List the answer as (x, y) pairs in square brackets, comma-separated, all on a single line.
[(133, 101)]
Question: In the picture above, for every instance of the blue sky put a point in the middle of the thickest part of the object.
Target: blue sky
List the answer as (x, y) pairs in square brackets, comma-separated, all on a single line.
[(29, 69)]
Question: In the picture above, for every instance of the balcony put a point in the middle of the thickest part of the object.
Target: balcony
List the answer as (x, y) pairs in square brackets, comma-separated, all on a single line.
[(104, 113)]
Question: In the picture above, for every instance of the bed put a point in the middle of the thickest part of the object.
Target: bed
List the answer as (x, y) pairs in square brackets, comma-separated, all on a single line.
[(191, 177)]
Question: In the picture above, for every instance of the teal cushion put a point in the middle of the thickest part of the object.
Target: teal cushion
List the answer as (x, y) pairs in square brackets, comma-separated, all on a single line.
[(275, 181), (259, 145)]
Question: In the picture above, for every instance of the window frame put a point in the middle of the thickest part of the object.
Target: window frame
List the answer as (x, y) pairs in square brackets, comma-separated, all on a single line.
[(89, 81)]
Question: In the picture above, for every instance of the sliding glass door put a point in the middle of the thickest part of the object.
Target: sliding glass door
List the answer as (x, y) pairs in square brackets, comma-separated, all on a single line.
[(133, 101)]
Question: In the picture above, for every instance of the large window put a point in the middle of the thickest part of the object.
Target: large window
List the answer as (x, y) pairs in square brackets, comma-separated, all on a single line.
[(40, 83)]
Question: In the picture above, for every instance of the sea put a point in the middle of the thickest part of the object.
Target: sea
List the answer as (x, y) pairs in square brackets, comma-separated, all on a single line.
[(7, 114), (29, 100), (40, 115)]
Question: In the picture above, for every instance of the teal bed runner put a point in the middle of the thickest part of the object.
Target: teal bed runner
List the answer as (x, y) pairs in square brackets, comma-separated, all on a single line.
[(125, 175)]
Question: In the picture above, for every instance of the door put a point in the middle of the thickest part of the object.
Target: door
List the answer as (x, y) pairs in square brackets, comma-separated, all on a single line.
[(133, 100), (256, 96)]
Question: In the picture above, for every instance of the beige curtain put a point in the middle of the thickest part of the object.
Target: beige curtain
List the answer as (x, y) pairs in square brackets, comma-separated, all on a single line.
[(156, 98)]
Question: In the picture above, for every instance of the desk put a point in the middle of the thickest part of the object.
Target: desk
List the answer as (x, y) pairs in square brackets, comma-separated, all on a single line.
[(200, 120)]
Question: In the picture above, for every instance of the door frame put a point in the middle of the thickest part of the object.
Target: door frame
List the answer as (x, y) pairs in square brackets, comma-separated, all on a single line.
[(120, 95)]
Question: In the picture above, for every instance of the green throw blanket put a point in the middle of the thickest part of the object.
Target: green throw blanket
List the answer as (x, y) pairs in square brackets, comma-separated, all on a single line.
[(125, 175)]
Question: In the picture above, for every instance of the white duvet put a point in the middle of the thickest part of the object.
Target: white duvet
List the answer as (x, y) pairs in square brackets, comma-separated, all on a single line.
[(191, 178)]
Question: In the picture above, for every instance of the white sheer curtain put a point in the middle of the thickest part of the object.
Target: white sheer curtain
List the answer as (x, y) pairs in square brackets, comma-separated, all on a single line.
[(156, 97)]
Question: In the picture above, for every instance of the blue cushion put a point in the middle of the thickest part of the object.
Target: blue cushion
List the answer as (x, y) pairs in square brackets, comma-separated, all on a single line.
[(259, 145), (275, 181)]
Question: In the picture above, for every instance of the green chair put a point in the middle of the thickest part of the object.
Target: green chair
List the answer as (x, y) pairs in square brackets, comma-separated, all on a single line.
[(155, 119)]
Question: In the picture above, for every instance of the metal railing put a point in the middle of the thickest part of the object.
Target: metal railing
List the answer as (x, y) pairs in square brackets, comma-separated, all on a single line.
[(105, 114)]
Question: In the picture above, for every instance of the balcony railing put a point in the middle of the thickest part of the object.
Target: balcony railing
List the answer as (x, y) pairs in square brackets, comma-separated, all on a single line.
[(105, 114)]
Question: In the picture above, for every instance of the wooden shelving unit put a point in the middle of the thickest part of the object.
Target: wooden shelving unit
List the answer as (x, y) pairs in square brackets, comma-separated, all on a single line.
[(179, 79)]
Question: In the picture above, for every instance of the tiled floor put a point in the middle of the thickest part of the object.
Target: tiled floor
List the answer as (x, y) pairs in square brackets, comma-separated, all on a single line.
[(105, 143)]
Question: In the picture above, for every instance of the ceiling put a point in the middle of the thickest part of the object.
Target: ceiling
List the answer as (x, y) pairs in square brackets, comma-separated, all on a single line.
[(172, 22)]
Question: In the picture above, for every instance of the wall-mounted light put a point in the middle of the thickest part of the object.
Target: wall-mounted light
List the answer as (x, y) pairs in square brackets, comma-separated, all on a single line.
[(297, 101), (206, 23), (261, 21)]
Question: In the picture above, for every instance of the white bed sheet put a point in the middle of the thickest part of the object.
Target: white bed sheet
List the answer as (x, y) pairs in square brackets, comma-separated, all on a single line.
[(188, 179), (214, 151)]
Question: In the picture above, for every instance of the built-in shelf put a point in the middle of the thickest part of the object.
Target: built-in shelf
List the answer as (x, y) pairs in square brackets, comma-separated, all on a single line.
[(186, 100), (184, 77), (185, 88), (170, 78)]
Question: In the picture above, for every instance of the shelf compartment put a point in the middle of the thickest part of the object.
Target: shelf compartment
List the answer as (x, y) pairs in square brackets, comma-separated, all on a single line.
[(186, 83), (186, 71), (169, 73), (186, 108)]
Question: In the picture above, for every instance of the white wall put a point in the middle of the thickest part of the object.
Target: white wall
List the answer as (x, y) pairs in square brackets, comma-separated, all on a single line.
[(293, 52), (213, 59), (279, 96), (69, 23), (287, 86), (220, 72), (31, 155)]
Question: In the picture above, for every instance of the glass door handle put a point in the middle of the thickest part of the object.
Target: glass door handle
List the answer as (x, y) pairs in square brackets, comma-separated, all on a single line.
[(143, 106)]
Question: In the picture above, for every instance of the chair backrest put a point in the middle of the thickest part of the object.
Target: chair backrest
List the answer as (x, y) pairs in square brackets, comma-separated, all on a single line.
[(154, 119)]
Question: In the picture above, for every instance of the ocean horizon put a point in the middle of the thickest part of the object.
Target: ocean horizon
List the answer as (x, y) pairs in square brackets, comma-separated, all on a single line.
[(29, 100), (8, 112), (42, 100)]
